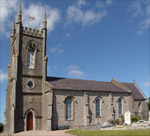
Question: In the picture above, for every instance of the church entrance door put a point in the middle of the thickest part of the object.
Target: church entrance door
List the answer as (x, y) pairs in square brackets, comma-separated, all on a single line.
[(30, 121)]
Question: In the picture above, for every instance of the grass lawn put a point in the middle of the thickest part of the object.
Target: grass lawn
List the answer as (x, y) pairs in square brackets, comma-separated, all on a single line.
[(80, 132)]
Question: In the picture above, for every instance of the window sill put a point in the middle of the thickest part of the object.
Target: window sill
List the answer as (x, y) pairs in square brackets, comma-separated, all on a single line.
[(98, 116), (30, 67), (69, 119)]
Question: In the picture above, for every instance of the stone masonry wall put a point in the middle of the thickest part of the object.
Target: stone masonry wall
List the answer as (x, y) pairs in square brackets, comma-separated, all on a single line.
[(33, 102), (140, 109), (38, 56), (59, 107)]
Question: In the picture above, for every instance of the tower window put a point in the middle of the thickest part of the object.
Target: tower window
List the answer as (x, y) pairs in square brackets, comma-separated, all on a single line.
[(30, 59), (31, 56), (30, 84)]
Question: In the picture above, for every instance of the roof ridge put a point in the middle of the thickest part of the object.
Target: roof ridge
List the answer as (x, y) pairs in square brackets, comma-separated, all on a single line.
[(140, 90), (119, 84), (127, 82), (78, 79)]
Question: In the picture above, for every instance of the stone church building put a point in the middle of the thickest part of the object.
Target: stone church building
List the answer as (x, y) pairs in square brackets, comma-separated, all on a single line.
[(35, 101)]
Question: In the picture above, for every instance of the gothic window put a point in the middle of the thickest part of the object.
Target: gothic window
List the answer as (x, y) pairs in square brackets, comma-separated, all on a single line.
[(30, 59), (69, 108), (31, 55), (139, 105), (120, 106), (98, 107)]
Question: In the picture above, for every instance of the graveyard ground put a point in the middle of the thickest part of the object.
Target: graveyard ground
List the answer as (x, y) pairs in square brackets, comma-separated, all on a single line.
[(81, 132)]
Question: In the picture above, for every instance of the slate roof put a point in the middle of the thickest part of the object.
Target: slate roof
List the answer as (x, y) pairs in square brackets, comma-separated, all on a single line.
[(88, 85), (136, 94)]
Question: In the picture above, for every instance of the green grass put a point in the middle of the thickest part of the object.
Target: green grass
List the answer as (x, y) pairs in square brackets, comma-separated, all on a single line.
[(80, 132)]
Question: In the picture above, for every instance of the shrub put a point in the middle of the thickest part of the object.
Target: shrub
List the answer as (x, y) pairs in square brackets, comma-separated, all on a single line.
[(117, 121), (1, 127), (135, 118), (122, 117)]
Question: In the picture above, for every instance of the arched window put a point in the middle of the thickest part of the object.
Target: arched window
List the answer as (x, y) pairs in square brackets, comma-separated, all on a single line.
[(98, 107), (139, 105), (69, 108), (120, 106), (31, 55)]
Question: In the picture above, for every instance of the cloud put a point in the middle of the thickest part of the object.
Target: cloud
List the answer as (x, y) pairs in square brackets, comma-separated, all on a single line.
[(91, 17), (3, 76), (75, 14), (56, 50), (67, 35), (75, 73), (141, 11), (52, 15), (139, 32), (71, 67), (146, 84), (108, 2), (148, 9), (9, 9), (136, 7), (81, 3), (142, 26), (103, 3), (99, 4)]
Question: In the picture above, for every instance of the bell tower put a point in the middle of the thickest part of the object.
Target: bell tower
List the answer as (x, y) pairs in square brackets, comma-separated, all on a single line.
[(27, 70)]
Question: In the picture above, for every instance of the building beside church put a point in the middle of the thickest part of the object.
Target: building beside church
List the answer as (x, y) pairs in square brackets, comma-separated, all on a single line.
[(35, 101)]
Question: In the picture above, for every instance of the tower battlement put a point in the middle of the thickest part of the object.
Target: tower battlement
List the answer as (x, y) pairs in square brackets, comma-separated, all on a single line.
[(33, 32)]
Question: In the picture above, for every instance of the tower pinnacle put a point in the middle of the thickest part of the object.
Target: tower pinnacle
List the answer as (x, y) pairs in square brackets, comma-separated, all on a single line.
[(45, 17), (13, 28), (19, 15), (44, 21)]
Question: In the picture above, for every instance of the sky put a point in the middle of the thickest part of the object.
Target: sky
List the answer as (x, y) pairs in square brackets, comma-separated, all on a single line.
[(86, 39)]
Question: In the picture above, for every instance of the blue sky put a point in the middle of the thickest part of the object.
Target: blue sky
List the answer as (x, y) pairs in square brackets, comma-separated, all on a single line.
[(87, 39)]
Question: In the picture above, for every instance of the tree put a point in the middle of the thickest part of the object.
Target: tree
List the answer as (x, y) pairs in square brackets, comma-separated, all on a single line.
[(148, 103), (1, 127)]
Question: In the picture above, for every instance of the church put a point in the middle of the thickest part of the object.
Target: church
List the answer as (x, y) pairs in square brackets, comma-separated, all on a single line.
[(35, 101)]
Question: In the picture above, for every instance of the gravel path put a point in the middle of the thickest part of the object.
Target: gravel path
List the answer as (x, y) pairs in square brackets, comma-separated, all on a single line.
[(41, 133)]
